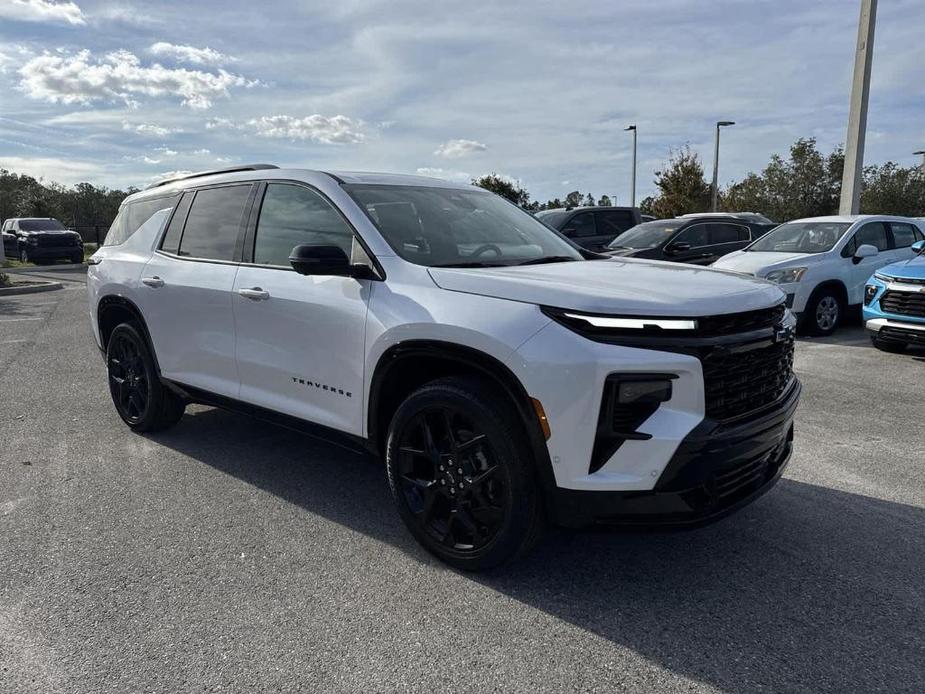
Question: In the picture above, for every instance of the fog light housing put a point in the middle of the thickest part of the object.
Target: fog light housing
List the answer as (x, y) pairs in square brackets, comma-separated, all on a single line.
[(648, 390), (870, 291)]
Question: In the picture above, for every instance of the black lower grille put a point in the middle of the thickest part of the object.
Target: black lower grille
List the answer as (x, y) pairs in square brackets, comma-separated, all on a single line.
[(904, 303), (891, 333), (739, 379), (741, 477)]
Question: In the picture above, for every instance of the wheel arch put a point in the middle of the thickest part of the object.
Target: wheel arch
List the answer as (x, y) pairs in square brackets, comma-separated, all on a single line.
[(111, 310), (406, 366), (837, 285)]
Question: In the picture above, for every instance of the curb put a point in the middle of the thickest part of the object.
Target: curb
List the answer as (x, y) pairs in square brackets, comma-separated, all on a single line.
[(30, 289)]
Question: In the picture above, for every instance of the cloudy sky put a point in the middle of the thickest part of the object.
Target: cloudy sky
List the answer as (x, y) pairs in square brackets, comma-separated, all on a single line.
[(118, 93)]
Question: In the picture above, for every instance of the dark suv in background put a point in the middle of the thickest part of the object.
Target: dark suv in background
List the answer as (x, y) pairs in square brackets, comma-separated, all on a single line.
[(39, 239), (591, 227), (696, 239)]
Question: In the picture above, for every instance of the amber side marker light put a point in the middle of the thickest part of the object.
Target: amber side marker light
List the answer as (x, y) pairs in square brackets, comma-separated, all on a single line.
[(541, 415)]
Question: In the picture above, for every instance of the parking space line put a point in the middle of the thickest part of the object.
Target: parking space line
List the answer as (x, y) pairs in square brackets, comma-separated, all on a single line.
[(14, 320)]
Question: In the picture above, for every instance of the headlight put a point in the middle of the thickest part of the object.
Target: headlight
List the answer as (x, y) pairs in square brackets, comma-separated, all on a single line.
[(792, 274), (870, 291)]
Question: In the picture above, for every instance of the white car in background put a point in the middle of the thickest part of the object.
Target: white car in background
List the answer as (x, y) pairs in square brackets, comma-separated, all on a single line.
[(822, 263)]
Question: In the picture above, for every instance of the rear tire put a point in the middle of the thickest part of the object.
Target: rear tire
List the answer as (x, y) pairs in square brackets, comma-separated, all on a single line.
[(462, 475), (889, 345), (141, 400)]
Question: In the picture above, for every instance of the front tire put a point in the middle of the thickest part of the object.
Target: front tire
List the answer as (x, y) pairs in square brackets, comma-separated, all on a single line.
[(461, 474), (823, 313), (140, 398), (889, 345)]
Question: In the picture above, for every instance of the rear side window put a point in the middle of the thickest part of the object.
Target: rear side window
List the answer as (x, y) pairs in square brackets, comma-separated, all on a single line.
[(728, 233), (294, 215), (696, 235), (133, 215), (214, 222), (903, 234)]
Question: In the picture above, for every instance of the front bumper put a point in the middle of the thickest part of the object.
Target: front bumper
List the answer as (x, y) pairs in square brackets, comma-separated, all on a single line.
[(905, 331), (54, 252), (717, 469)]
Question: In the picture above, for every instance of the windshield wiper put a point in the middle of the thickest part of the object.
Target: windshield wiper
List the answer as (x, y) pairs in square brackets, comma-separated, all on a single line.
[(471, 263), (548, 259)]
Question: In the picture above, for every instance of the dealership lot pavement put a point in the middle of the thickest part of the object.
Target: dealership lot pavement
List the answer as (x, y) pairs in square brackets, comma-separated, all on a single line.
[(227, 554)]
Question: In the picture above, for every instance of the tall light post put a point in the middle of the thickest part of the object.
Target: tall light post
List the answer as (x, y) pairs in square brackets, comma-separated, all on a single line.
[(633, 193), (857, 114), (719, 124)]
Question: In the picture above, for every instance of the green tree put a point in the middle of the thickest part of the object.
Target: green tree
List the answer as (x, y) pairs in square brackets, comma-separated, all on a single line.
[(589, 200), (504, 187), (604, 201), (573, 199), (892, 189), (681, 185)]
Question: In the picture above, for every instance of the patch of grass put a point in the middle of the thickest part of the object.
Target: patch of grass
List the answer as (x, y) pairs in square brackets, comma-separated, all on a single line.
[(5, 280)]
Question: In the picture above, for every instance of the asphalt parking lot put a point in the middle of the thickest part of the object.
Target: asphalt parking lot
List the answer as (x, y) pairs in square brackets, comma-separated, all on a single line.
[(228, 555)]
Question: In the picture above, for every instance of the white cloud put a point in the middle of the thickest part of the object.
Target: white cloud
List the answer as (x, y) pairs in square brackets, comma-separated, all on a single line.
[(436, 172), (150, 129), (41, 11), (166, 151), (191, 54), (168, 174), (119, 76), (324, 129), (453, 149), (215, 123), (64, 170)]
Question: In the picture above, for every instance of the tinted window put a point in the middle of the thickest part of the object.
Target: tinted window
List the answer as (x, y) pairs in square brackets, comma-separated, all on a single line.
[(580, 226), (647, 234), (171, 242), (903, 234), (873, 234), (696, 235), (728, 233), (132, 216), (801, 237), (612, 222), (293, 215), (213, 223)]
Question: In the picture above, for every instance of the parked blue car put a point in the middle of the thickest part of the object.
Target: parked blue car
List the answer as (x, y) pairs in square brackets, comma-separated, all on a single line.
[(894, 303)]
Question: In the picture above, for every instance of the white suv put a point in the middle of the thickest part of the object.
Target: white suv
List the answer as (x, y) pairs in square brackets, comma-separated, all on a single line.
[(823, 263), (506, 376)]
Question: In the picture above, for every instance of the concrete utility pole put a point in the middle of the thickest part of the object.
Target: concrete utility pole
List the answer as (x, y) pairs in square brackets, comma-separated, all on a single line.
[(633, 194), (857, 116), (719, 124)]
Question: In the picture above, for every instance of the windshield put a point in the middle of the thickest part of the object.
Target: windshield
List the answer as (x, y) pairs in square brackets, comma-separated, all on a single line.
[(647, 234), (447, 227), (40, 225), (801, 237)]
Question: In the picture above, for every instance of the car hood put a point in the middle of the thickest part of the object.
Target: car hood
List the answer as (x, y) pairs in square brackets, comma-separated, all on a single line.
[(913, 269), (618, 286), (760, 262)]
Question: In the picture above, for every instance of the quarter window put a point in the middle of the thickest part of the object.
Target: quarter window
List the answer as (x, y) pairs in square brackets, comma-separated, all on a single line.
[(728, 233), (214, 222), (292, 216), (133, 215), (171, 242)]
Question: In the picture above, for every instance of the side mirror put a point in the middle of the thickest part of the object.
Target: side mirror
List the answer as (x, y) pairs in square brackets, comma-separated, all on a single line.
[(678, 247), (918, 247), (320, 260), (865, 250)]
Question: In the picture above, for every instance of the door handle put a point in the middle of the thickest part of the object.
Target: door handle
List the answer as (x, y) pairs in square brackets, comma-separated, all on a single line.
[(255, 293), (154, 282)]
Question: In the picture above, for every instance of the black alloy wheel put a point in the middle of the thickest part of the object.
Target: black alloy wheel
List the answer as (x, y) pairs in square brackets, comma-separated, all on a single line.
[(141, 400), (450, 479), (462, 473)]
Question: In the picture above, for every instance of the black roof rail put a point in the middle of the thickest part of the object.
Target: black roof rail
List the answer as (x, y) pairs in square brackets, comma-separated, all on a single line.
[(230, 169)]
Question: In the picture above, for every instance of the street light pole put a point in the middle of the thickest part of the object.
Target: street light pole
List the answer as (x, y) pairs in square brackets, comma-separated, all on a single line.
[(633, 193), (857, 115), (719, 124)]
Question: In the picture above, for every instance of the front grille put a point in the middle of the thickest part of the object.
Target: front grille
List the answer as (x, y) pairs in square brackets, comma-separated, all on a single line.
[(739, 379), (891, 333), (904, 303), (733, 323), (741, 477), (55, 240)]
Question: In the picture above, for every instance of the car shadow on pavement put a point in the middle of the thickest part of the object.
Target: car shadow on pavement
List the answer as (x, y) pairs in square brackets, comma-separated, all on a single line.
[(808, 585)]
